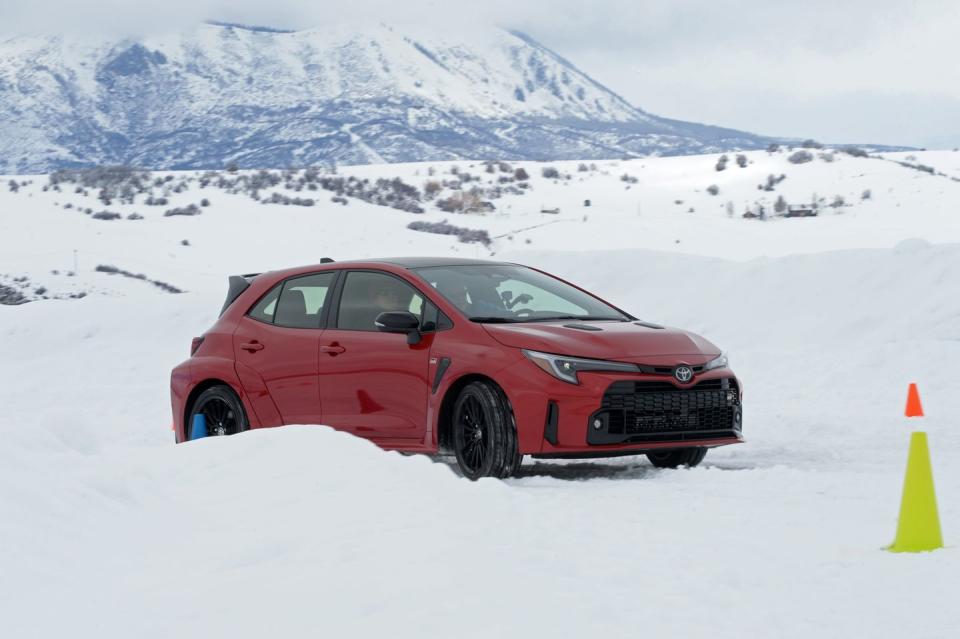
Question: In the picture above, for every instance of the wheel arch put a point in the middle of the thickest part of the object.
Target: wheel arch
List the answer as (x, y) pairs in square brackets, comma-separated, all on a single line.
[(198, 389), (445, 417)]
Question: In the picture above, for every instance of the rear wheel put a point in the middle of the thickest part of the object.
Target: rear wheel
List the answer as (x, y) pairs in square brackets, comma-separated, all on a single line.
[(679, 457), (484, 432), (222, 411)]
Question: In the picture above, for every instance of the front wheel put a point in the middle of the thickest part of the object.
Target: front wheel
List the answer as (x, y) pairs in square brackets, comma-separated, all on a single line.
[(484, 434), (689, 457)]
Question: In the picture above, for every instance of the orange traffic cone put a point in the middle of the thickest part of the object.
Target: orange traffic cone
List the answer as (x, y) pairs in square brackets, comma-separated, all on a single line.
[(914, 408)]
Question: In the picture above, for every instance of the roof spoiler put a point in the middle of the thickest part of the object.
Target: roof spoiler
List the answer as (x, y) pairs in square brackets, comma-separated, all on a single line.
[(236, 285)]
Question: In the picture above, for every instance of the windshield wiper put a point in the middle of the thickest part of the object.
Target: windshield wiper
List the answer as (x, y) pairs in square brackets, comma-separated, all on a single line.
[(582, 318), (493, 319)]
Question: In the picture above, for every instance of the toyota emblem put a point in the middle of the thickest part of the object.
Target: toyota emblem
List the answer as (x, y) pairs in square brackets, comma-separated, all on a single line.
[(683, 374)]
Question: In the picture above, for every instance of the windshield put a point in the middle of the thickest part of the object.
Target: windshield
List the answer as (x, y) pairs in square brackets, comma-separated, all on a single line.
[(510, 293)]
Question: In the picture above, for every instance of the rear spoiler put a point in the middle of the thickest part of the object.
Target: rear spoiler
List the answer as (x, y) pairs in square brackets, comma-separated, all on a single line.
[(236, 285)]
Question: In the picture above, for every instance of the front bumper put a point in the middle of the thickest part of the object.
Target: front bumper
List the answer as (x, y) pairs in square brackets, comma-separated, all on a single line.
[(557, 419)]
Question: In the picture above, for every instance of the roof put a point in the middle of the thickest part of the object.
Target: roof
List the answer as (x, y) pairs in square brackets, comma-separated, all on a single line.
[(401, 262), (422, 262)]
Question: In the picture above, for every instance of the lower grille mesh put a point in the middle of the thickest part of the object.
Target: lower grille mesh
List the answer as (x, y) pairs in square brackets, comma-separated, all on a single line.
[(656, 408)]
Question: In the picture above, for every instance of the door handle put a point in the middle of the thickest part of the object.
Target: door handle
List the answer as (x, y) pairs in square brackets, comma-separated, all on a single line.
[(332, 349), (252, 347)]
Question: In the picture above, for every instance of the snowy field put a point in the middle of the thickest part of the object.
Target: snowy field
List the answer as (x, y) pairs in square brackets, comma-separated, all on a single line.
[(108, 529)]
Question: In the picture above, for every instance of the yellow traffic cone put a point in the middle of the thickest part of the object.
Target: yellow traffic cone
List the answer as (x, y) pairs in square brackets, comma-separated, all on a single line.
[(918, 529)]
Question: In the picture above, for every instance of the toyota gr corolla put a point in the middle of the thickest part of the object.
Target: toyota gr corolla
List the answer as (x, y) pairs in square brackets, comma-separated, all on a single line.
[(488, 361)]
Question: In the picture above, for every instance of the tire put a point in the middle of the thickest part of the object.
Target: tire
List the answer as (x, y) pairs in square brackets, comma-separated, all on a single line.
[(223, 411), (688, 457), (484, 432)]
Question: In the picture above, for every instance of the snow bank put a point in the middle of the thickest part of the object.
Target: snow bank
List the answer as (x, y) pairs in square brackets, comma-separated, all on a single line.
[(109, 528)]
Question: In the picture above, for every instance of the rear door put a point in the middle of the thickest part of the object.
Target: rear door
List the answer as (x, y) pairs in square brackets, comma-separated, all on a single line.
[(276, 346), (374, 384)]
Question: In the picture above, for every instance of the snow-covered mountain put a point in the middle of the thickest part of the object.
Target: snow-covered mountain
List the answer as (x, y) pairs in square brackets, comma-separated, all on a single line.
[(220, 94)]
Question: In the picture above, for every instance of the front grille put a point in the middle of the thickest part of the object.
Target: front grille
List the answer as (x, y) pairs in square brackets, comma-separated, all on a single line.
[(661, 411)]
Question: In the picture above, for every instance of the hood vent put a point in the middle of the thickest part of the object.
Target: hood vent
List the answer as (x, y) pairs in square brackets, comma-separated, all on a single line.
[(583, 327), (648, 325)]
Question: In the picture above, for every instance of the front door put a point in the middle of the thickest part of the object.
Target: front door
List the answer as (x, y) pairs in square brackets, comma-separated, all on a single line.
[(374, 384), (277, 344)]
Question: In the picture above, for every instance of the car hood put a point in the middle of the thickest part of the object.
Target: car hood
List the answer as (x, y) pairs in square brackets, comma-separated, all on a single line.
[(622, 341)]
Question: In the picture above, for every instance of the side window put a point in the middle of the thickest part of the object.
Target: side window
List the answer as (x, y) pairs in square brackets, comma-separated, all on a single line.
[(302, 299), (366, 295), (265, 308)]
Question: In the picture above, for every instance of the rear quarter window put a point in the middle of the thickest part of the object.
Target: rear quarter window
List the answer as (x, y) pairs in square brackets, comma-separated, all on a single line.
[(264, 310)]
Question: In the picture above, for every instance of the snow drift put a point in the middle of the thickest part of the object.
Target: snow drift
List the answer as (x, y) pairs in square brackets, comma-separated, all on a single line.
[(109, 528)]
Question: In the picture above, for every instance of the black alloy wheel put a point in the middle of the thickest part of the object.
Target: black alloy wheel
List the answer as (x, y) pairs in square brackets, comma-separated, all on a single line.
[(484, 434), (476, 434), (222, 411)]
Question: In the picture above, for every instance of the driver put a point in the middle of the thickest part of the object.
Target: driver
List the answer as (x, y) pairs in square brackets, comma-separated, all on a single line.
[(475, 300), (387, 298), (457, 293)]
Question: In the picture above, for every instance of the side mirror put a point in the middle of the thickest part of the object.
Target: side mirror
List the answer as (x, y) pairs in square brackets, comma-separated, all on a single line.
[(400, 322)]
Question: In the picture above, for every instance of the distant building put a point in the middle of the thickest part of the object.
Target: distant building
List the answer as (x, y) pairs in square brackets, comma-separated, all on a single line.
[(801, 210)]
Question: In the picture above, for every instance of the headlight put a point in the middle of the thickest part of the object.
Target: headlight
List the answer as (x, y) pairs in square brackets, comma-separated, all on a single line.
[(720, 362), (566, 368)]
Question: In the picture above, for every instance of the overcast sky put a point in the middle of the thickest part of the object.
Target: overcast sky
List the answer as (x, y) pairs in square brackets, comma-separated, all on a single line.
[(835, 70)]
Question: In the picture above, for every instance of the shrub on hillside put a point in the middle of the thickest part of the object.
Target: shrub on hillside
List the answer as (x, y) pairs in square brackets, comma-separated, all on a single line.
[(109, 269), (113, 182), (856, 152), (10, 296), (780, 206), (468, 236), (189, 210)]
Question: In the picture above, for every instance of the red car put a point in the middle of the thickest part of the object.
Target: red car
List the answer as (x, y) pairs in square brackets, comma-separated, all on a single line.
[(490, 361)]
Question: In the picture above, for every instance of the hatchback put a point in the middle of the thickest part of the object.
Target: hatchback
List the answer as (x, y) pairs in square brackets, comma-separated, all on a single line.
[(489, 361)]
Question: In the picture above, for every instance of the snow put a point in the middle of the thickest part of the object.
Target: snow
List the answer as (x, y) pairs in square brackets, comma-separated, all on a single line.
[(110, 528), (231, 236)]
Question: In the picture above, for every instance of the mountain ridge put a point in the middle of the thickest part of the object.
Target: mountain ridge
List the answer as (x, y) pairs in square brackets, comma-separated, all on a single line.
[(255, 97)]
